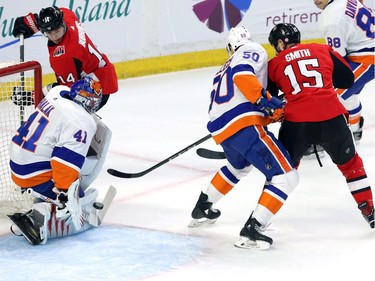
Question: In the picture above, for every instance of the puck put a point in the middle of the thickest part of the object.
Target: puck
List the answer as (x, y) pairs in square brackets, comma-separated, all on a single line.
[(98, 205)]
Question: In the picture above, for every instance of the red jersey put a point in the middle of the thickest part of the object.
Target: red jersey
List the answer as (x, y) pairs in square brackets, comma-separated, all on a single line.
[(76, 56), (304, 74)]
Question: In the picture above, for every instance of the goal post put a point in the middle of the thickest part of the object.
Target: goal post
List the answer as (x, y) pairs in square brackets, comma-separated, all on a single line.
[(20, 92)]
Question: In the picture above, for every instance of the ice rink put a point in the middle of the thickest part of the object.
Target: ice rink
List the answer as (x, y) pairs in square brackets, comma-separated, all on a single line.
[(319, 233)]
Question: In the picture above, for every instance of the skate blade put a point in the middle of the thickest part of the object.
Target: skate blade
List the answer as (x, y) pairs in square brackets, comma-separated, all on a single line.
[(246, 243), (200, 222)]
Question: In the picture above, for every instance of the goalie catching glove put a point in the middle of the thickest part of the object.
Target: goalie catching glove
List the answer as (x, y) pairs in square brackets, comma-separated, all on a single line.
[(272, 106), (27, 25)]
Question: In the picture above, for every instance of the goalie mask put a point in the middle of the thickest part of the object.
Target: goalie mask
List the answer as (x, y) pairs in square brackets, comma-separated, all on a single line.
[(237, 37), (88, 93)]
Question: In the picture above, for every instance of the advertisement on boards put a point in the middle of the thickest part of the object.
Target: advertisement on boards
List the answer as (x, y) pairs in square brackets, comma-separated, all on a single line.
[(136, 29)]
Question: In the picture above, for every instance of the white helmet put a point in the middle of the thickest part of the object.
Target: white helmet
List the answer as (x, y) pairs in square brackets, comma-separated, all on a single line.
[(237, 37)]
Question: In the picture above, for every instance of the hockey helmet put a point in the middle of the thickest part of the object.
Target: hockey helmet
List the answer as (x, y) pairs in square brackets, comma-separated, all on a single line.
[(50, 19), (88, 93), (237, 37), (287, 32)]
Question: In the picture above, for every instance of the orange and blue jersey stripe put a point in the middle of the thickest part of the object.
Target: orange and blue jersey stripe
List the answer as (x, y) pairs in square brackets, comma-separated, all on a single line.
[(243, 115), (63, 169)]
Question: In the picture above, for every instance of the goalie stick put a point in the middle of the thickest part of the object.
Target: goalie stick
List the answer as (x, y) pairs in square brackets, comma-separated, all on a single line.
[(37, 195), (210, 154), (111, 193), (119, 174), (101, 207)]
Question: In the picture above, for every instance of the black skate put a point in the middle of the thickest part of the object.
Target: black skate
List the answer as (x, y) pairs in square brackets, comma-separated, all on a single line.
[(251, 238), (358, 134), (203, 212), (367, 212), (29, 226)]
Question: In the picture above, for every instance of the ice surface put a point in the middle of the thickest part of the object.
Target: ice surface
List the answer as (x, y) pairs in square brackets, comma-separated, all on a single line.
[(318, 234)]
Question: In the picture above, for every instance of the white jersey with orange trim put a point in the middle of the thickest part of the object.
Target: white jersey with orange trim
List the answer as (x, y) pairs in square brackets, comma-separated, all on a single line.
[(53, 143), (230, 110), (348, 27)]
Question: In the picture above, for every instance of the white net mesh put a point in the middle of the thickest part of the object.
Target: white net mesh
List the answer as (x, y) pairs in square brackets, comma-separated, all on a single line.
[(12, 114)]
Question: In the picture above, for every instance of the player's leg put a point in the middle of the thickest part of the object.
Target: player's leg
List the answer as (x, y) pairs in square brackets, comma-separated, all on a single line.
[(339, 144), (269, 156), (223, 182), (363, 73)]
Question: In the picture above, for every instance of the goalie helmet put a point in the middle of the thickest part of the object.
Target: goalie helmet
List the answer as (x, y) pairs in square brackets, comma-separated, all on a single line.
[(237, 37), (287, 32), (88, 93), (50, 19)]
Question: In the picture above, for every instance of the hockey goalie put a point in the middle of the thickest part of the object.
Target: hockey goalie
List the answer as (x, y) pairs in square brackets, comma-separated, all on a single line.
[(55, 156)]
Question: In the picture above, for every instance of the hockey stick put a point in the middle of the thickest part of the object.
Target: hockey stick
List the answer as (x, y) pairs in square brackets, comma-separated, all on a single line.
[(37, 195), (110, 195), (210, 154), (22, 74), (119, 174)]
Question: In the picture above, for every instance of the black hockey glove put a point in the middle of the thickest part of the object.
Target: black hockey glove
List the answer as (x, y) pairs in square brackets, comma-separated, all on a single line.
[(26, 25), (22, 98)]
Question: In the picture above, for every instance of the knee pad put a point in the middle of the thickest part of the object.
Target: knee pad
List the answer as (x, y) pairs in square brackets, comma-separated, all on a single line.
[(239, 173), (286, 182)]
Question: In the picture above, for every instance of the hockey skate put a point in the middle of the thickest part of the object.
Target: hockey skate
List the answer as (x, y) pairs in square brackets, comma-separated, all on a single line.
[(358, 133), (32, 226), (310, 153), (251, 238), (367, 212), (203, 212)]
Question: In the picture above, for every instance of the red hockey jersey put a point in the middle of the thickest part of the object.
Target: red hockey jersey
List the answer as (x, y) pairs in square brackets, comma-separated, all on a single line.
[(76, 56), (304, 73)]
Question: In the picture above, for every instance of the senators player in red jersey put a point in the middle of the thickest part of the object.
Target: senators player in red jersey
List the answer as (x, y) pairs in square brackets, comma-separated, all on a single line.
[(72, 54), (313, 115)]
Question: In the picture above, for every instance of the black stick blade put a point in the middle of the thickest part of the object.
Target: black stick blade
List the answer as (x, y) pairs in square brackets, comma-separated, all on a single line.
[(210, 154), (119, 174)]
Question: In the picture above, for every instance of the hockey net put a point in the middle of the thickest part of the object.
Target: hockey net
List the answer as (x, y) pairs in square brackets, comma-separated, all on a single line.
[(20, 90)]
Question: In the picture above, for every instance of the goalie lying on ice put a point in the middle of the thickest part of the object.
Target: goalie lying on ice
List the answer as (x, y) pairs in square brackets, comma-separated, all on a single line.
[(56, 155)]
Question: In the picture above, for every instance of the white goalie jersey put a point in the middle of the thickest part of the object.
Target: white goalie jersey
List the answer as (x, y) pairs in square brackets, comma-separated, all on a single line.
[(53, 143)]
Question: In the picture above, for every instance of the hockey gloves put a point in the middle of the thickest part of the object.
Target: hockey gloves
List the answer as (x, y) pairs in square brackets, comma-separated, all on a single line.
[(27, 25), (272, 106), (22, 98)]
